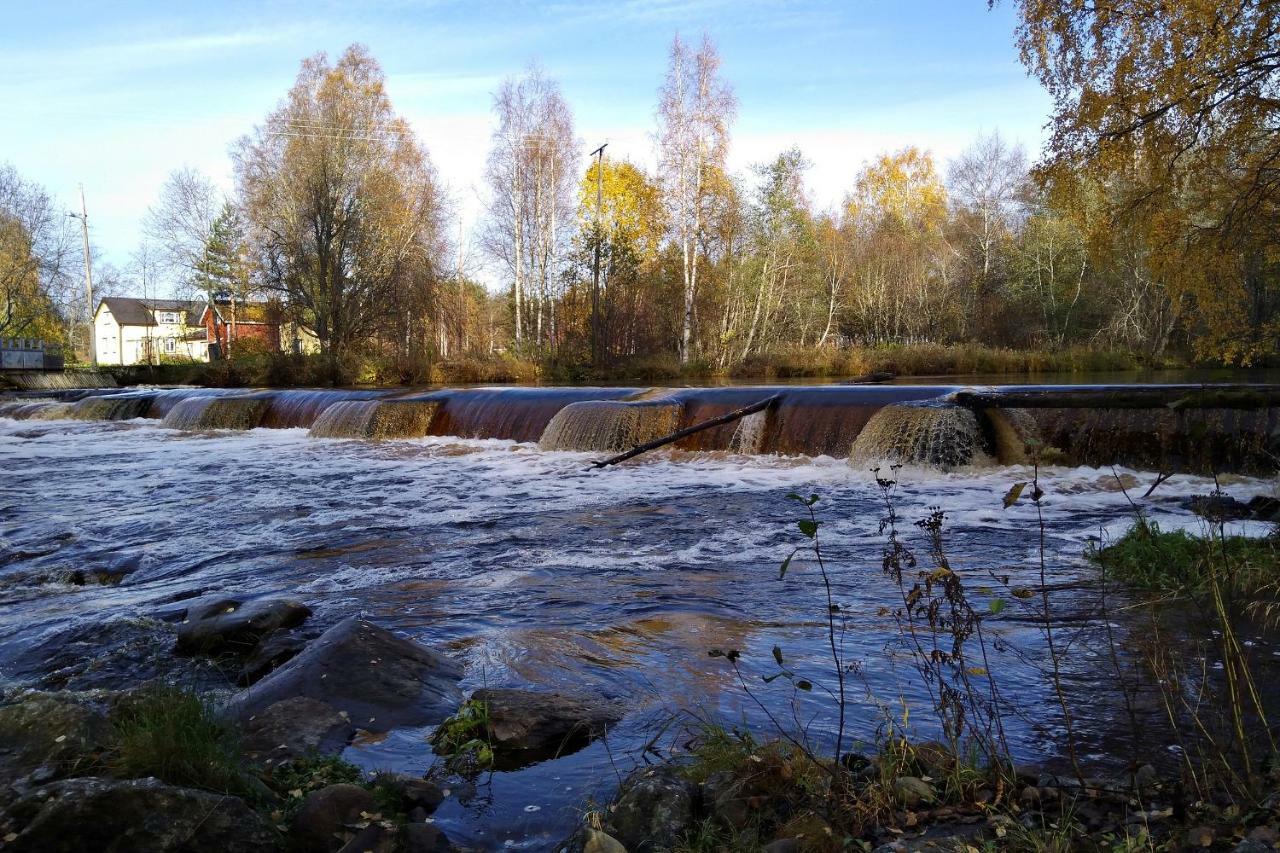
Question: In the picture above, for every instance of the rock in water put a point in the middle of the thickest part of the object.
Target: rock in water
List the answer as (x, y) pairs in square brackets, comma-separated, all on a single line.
[(272, 652), (379, 680), (228, 625), (526, 725), (121, 816)]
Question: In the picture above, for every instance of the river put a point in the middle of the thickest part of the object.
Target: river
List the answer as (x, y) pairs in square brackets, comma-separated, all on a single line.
[(537, 572)]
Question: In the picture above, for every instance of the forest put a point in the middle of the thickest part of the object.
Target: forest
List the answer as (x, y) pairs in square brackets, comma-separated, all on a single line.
[(1144, 234)]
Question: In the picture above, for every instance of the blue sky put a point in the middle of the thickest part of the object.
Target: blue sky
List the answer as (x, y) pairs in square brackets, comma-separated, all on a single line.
[(117, 94)]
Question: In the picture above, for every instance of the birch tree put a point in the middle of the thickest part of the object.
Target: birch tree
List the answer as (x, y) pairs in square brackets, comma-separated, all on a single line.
[(695, 110), (532, 172)]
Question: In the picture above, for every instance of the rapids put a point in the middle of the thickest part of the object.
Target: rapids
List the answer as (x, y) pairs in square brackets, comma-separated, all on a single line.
[(533, 571)]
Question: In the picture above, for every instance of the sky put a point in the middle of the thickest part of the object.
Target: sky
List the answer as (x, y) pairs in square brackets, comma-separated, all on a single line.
[(116, 95)]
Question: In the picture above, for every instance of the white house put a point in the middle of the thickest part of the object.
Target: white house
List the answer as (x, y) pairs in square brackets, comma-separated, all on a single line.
[(138, 331)]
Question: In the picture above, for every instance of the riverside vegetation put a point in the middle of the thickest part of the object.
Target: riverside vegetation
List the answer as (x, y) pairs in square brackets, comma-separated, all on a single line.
[(943, 777)]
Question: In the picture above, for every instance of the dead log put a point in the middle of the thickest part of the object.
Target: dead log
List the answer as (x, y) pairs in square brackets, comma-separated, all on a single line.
[(729, 417), (869, 379)]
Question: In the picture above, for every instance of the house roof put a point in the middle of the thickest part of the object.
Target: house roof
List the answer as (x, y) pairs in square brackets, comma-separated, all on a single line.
[(138, 312)]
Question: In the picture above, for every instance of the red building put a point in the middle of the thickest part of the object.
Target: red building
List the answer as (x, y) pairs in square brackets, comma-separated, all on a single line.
[(227, 322)]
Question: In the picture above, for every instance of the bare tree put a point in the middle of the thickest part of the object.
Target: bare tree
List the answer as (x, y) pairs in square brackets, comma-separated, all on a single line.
[(695, 110), (532, 174), (987, 183), (179, 225)]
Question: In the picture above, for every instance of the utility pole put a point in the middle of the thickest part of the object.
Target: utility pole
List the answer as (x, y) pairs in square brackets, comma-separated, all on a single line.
[(595, 273), (83, 216)]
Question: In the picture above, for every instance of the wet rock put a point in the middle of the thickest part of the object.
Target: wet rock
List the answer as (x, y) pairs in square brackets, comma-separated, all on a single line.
[(416, 793), (933, 758), (528, 725), (1145, 779), (1248, 845), (220, 625), (425, 838), (295, 727), (914, 792), (379, 680), (783, 845), (1264, 835), (373, 838), (45, 736), (273, 651), (1264, 508), (654, 812), (113, 815), (324, 821), (601, 842)]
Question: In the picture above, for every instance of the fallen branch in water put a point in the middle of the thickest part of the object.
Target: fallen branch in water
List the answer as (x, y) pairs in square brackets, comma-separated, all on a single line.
[(689, 430)]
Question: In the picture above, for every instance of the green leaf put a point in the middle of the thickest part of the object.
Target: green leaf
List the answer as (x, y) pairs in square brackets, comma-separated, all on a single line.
[(782, 571), (808, 527), (995, 605), (777, 654), (803, 685), (1015, 492)]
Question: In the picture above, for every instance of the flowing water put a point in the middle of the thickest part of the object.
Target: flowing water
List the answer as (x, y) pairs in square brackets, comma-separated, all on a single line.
[(536, 572)]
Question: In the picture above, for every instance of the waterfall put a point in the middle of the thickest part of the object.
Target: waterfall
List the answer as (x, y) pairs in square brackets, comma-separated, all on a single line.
[(197, 413), (749, 435), (1012, 434), (376, 419), (60, 380), (939, 435), (43, 411), (113, 407), (300, 407), (609, 425)]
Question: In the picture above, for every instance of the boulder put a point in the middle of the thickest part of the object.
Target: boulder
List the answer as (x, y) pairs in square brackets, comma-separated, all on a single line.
[(654, 811), (220, 625), (273, 651), (292, 728), (120, 816), (424, 838), (914, 792), (527, 725), (379, 680), (44, 736), (326, 819)]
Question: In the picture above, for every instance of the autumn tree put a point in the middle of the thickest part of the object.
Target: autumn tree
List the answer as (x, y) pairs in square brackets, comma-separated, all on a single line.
[(532, 174), (695, 111), (343, 210), (1176, 102), (37, 249)]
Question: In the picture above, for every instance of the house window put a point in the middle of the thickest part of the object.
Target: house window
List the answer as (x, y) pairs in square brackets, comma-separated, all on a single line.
[(170, 345), (169, 317)]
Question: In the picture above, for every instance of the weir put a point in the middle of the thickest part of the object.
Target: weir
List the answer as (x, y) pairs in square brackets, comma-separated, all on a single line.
[(1197, 429), (376, 419)]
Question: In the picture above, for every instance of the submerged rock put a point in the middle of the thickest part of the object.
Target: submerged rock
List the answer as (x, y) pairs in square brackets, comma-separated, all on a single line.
[(116, 816), (223, 625), (531, 725), (379, 680)]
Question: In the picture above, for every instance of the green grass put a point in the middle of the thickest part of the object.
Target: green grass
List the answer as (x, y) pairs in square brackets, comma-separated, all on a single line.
[(176, 736), (1176, 561), (463, 738)]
